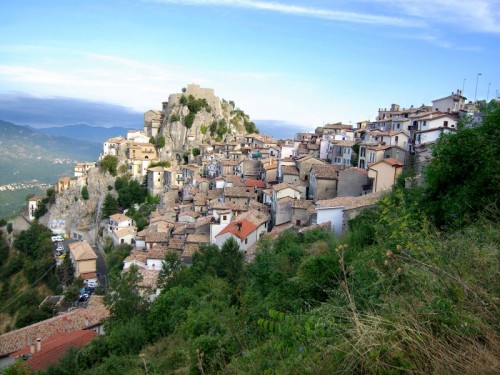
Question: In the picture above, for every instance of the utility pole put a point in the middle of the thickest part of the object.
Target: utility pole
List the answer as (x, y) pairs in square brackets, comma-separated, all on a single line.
[(488, 94), (463, 86), (477, 81)]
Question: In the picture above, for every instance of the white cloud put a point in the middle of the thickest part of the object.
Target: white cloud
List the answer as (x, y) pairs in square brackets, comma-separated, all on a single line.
[(471, 15), (305, 11), (142, 85)]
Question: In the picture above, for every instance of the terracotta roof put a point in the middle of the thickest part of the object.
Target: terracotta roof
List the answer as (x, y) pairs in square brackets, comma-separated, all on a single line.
[(176, 243), (198, 238), (391, 161), (324, 171), (203, 221), (349, 202), (284, 185), (362, 171), (277, 229), (302, 203), (79, 318), (157, 252), (149, 277), (121, 232), (157, 237), (255, 183), (239, 192), (289, 169), (136, 255), (239, 228), (343, 143), (255, 216), (88, 275), (119, 218), (54, 347), (82, 251)]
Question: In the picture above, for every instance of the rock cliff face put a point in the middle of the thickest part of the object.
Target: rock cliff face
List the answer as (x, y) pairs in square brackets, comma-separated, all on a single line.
[(197, 116), (76, 212)]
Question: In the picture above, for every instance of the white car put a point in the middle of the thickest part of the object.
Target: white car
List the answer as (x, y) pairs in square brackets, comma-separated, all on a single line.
[(92, 284), (57, 238)]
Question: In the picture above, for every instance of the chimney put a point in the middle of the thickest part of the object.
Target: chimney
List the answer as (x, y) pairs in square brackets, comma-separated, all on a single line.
[(32, 348), (239, 226), (38, 344)]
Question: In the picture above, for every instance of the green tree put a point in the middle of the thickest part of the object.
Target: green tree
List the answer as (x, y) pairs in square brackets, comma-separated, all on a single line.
[(110, 206), (125, 300), (160, 141), (231, 261), (171, 264), (109, 163), (85, 192), (462, 177), (195, 151), (174, 117), (9, 228), (4, 249), (189, 119), (66, 272)]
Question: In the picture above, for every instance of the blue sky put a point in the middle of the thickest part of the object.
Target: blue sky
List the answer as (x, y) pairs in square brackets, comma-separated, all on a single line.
[(297, 62)]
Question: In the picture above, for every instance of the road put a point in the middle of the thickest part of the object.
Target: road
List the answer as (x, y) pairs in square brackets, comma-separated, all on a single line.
[(102, 270)]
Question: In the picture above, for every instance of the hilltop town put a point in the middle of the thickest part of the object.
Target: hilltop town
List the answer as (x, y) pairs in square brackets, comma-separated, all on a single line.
[(197, 222), (212, 185)]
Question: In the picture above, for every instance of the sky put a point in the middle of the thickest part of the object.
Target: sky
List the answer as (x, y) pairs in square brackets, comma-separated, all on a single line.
[(290, 63)]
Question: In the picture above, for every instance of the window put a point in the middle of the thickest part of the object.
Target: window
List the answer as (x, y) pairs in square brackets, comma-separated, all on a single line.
[(246, 241), (297, 223), (445, 124), (396, 139), (224, 217)]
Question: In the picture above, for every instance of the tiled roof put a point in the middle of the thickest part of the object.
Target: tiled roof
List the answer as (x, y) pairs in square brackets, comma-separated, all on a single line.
[(256, 217), (198, 238), (203, 221), (77, 319), (255, 183), (156, 252), (302, 203), (239, 192), (290, 169), (391, 161), (136, 255), (119, 218), (324, 171), (82, 251), (176, 243), (349, 202), (239, 228), (356, 169), (54, 347), (157, 237), (127, 231), (282, 186)]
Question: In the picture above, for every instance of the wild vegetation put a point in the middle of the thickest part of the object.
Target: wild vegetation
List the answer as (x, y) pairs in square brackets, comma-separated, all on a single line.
[(413, 287)]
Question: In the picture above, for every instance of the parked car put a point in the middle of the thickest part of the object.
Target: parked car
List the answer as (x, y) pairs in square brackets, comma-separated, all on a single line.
[(83, 297), (92, 284), (62, 256), (57, 238)]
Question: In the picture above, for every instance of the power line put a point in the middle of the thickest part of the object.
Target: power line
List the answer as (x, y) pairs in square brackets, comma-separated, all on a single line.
[(27, 289)]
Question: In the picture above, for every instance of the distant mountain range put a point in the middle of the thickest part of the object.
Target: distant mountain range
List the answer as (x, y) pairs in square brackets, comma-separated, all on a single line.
[(27, 154), (84, 132)]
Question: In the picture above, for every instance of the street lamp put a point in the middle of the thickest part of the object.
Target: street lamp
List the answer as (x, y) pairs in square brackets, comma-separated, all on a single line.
[(477, 81), (463, 86), (488, 94)]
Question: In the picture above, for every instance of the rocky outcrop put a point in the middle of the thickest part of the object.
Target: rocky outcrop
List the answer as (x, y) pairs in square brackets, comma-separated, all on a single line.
[(212, 119), (75, 212)]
